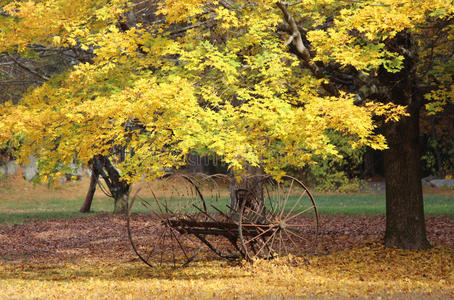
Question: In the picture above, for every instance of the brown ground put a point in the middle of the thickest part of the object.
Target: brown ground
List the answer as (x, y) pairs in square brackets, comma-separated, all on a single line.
[(105, 236)]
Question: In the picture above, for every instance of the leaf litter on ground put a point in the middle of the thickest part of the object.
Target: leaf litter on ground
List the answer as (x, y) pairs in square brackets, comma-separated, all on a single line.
[(91, 258)]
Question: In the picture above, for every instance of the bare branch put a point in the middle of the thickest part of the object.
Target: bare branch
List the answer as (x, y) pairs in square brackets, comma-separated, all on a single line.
[(15, 82), (296, 39), (24, 67), (226, 3)]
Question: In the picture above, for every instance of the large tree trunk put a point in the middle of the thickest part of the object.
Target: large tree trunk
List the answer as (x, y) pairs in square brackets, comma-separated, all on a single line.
[(405, 224)]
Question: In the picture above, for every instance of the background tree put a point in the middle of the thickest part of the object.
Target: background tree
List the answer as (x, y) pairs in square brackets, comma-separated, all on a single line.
[(387, 55)]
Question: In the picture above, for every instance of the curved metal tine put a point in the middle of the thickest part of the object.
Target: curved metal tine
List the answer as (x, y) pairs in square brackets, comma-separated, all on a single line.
[(258, 214), (149, 207), (280, 242), (198, 186), (191, 258), (173, 251), (215, 195), (132, 200), (270, 200), (154, 196), (223, 214), (300, 213), (172, 191), (206, 214), (216, 186), (191, 188), (166, 204), (194, 193), (162, 250), (286, 198)]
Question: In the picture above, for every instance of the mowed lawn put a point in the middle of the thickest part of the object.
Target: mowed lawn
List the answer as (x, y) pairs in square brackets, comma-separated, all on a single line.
[(21, 201), (17, 212)]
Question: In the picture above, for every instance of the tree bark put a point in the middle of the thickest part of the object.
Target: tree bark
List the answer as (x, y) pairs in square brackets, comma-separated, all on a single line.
[(405, 224), (242, 190), (118, 188), (121, 202), (91, 192)]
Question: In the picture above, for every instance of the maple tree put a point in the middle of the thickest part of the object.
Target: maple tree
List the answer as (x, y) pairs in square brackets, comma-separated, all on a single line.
[(259, 83)]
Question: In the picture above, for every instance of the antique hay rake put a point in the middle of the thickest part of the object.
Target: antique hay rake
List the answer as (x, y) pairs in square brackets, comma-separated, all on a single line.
[(171, 219)]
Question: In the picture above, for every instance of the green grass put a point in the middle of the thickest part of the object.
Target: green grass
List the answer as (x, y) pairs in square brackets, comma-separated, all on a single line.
[(22, 217), (18, 212), (374, 204)]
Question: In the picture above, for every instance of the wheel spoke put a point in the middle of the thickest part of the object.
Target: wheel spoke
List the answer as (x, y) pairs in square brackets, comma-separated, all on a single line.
[(264, 244), (278, 197), (155, 246), (280, 242), (155, 198), (296, 235), (296, 203), (270, 200), (274, 238), (299, 213), (290, 238), (172, 230), (286, 199), (259, 235)]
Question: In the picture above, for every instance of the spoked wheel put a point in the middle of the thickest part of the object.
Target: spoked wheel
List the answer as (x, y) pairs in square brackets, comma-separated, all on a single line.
[(154, 213), (277, 219)]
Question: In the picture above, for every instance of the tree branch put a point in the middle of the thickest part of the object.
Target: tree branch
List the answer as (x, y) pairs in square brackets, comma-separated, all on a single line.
[(296, 39), (24, 67)]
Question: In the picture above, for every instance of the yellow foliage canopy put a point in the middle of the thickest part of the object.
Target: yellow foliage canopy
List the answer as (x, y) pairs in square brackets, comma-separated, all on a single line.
[(213, 77)]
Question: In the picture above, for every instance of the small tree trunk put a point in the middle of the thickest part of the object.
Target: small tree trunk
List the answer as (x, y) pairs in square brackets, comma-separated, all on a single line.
[(240, 190), (90, 193), (118, 188), (121, 202)]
